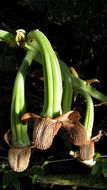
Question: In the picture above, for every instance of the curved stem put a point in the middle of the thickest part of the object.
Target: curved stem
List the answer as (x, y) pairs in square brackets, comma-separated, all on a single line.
[(89, 114), (54, 76), (57, 85), (67, 87), (19, 131), (48, 84)]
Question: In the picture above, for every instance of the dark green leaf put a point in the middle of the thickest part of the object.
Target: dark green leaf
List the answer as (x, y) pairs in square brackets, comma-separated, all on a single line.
[(97, 169), (35, 178), (10, 178), (36, 170), (104, 167)]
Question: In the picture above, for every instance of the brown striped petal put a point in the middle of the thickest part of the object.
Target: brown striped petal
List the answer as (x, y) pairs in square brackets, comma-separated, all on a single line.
[(19, 158)]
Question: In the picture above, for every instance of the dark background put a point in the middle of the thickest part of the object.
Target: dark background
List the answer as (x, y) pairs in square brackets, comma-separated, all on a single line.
[(77, 30)]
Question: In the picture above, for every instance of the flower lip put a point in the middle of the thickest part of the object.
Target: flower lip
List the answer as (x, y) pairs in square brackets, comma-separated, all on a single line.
[(87, 150), (44, 132), (77, 134), (19, 158)]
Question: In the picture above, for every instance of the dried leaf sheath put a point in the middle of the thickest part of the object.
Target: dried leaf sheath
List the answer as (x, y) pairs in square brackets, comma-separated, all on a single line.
[(44, 132)]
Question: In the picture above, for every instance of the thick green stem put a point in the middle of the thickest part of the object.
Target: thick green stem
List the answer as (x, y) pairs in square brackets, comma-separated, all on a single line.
[(89, 114), (57, 85), (19, 131), (67, 87), (48, 88), (52, 75), (44, 59)]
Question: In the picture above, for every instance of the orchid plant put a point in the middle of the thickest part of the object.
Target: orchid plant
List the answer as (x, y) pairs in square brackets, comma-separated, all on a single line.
[(59, 87)]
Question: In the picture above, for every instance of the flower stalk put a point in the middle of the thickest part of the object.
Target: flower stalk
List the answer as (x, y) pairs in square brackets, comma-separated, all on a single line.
[(52, 75), (89, 114), (20, 145), (46, 128), (18, 106), (67, 87)]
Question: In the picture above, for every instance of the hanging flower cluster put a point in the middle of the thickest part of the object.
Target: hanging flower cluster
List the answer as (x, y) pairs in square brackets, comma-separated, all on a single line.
[(59, 87)]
